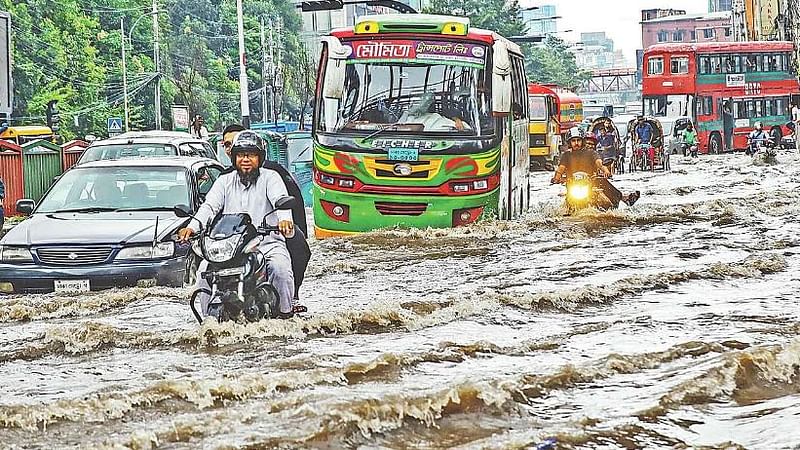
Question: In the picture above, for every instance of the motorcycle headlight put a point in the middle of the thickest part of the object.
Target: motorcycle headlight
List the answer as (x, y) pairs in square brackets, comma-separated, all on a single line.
[(578, 191), (15, 255), (221, 250), (160, 251)]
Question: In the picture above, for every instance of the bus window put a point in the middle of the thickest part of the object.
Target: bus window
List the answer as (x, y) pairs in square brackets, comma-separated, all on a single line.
[(750, 63), (537, 108), (680, 64), (782, 106), (705, 65), (751, 109), (716, 62), (704, 106), (759, 108), (740, 109), (655, 65)]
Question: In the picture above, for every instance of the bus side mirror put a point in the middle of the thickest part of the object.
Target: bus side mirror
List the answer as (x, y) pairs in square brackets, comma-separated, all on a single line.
[(335, 67), (501, 80)]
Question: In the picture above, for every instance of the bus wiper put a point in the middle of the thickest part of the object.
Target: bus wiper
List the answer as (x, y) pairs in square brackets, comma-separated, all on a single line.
[(392, 127)]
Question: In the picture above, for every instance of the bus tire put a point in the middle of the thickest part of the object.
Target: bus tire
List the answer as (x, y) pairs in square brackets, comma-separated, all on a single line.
[(715, 144)]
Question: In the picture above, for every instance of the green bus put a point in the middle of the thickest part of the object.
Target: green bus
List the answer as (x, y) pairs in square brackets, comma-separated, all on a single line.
[(420, 121)]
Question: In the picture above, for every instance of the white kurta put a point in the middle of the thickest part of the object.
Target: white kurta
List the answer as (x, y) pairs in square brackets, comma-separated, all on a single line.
[(229, 196)]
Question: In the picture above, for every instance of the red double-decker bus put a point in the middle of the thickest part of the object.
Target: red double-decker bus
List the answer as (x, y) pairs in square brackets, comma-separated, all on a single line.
[(724, 87)]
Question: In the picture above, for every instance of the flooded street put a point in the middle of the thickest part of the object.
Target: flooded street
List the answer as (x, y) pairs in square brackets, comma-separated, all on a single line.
[(672, 324)]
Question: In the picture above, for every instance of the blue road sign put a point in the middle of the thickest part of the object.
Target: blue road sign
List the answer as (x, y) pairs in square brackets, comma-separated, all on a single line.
[(115, 125)]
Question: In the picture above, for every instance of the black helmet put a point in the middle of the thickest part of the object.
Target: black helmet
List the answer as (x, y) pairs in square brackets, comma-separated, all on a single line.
[(249, 141)]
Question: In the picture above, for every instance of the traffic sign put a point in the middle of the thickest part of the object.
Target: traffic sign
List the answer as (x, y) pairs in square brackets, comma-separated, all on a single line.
[(114, 125)]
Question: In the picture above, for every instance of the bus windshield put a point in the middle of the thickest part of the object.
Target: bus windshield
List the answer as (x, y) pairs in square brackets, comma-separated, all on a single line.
[(403, 97), (537, 107)]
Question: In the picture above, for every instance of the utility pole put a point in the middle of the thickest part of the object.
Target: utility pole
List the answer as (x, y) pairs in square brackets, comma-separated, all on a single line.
[(158, 65), (272, 111), (124, 73), (244, 97), (279, 72), (264, 91)]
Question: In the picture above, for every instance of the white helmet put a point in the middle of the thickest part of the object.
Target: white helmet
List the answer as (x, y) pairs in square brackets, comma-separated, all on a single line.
[(574, 133), (759, 125)]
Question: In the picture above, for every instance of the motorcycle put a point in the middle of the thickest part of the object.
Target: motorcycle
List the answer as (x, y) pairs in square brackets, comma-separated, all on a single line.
[(236, 269), (689, 150), (763, 150), (582, 193)]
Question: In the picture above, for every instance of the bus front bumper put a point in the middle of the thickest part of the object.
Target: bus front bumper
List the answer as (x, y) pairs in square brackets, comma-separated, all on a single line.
[(341, 214)]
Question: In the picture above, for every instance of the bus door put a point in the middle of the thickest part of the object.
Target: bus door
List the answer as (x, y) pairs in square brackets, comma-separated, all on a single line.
[(726, 111)]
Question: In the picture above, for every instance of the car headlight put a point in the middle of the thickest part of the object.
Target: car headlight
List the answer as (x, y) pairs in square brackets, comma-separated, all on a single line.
[(221, 250), (160, 251), (15, 255)]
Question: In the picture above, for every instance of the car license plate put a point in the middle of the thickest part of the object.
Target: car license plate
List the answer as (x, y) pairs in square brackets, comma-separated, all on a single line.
[(71, 286), (404, 154)]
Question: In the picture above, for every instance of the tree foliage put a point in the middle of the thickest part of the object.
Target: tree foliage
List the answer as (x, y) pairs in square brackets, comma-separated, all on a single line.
[(71, 51), (496, 15), (553, 63), (550, 62)]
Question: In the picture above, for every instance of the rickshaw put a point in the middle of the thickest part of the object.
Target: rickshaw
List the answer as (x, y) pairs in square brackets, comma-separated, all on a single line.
[(610, 152), (648, 156)]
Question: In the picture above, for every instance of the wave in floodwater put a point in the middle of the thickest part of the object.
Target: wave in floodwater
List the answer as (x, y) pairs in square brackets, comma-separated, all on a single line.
[(349, 420), (41, 307), (378, 317), (746, 377)]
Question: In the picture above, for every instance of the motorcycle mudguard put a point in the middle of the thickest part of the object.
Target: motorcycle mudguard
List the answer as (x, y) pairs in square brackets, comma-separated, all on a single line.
[(192, 301), (268, 296)]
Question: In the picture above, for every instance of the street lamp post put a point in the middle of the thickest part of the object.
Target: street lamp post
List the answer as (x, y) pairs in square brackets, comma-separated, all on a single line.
[(125, 71)]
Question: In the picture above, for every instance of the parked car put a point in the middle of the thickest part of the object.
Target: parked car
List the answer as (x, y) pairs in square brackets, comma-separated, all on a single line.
[(301, 152), (145, 144), (107, 224)]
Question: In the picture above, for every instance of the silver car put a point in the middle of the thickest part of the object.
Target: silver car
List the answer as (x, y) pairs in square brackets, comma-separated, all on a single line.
[(147, 144)]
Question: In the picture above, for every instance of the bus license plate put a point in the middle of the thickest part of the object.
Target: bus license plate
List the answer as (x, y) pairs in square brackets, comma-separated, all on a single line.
[(404, 154)]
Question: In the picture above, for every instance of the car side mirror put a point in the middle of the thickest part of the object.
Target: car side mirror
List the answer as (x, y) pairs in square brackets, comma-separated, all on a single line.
[(182, 211), (285, 202), (25, 206)]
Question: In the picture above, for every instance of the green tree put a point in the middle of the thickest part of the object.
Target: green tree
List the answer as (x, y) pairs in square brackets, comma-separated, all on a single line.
[(500, 16), (554, 63), (70, 51)]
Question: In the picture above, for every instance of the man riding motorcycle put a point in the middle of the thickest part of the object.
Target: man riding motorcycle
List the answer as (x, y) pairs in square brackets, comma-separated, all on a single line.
[(253, 190), (297, 244), (756, 137), (582, 159)]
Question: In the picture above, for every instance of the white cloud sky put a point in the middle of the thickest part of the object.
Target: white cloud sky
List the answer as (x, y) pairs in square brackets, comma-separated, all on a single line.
[(618, 18)]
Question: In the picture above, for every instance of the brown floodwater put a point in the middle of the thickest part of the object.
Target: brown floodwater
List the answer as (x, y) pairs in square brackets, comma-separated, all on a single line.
[(672, 324)]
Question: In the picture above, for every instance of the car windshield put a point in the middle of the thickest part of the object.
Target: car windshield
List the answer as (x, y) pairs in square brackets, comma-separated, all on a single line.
[(117, 188), (134, 150), (300, 149), (436, 93)]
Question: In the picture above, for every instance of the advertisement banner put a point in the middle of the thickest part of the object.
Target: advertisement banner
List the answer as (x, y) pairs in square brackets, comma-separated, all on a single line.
[(422, 50), (180, 118)]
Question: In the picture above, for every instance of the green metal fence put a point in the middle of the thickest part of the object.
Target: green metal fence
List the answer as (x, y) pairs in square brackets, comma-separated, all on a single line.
[(41, 164)]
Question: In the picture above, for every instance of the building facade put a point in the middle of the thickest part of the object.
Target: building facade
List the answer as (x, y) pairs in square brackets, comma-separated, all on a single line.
[(541, 20), (712, 27), (720, 5)]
